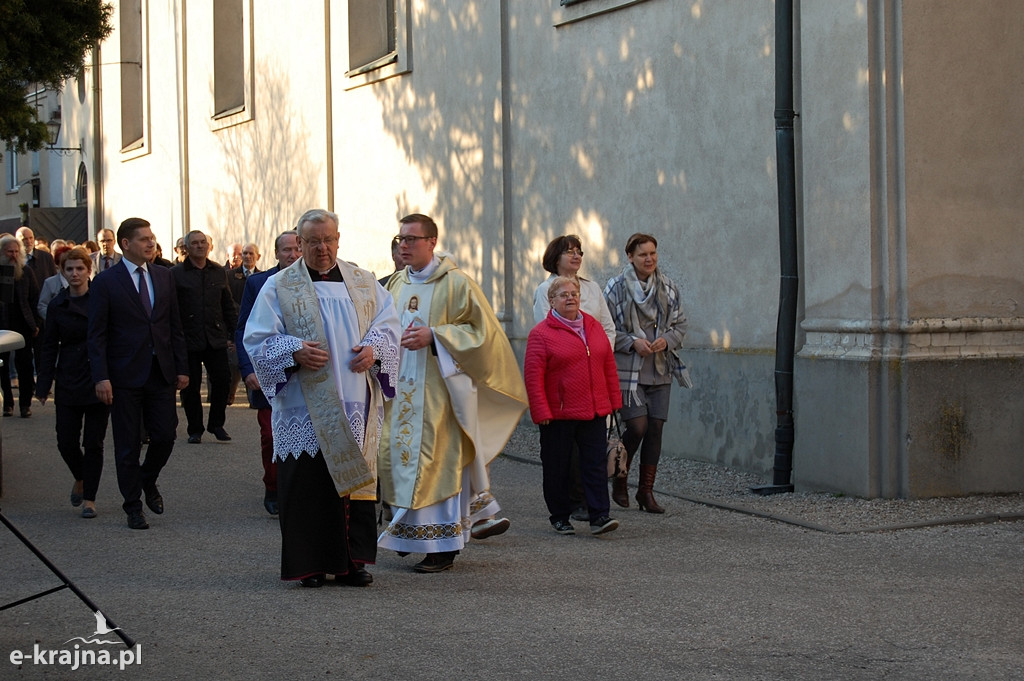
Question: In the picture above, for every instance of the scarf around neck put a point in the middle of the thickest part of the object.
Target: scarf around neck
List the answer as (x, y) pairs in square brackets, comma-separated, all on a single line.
[(574, 324)]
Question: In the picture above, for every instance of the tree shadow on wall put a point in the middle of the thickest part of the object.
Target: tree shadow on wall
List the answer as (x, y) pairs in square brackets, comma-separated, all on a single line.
[(607, 130), (448, 126), (268, 168), (655, 118)]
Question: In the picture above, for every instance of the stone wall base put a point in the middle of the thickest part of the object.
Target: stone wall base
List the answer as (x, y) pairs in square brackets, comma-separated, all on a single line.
[(909, 428)]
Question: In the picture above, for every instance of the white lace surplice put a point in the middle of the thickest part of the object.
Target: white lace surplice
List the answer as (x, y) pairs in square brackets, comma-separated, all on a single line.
[(271, 348)]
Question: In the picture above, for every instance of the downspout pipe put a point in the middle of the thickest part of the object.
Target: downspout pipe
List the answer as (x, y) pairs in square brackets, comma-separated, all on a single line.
[(785, 334), (97, 179)]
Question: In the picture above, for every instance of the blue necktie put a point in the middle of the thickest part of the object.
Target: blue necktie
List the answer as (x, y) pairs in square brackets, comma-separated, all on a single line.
[(144, 291)]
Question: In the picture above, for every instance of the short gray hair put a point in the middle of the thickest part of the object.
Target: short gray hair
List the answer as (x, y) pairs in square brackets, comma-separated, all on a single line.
[(316, 216)]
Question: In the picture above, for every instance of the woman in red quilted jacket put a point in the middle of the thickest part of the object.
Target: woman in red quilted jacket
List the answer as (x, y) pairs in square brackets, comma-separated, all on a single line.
[(572, 385)]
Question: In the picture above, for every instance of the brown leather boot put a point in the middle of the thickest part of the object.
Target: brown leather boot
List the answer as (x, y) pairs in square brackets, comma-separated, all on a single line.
[(645, 490), (620, 493)]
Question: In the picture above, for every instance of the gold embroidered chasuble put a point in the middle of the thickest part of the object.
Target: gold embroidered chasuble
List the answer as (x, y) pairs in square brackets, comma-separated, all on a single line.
[(462, 420)]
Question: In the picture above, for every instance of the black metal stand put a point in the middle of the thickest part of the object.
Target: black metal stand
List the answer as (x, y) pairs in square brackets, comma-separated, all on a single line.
[(66, 584)]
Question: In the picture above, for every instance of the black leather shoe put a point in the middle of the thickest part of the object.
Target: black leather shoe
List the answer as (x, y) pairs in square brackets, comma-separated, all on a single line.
[(355, 577), (436, 562), (155, 501), (137, 521), (314, 582), (270, 503), (26, 412), (220, 433), (195, 439)]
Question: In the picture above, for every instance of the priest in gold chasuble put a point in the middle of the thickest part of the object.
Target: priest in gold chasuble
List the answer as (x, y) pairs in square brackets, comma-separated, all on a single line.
[(459, 396)]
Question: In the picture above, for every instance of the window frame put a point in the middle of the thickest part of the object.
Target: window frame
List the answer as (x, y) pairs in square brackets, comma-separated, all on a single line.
[(571, 11), (82, 186), (393, 64), (243, 113), (11, 171), (141, 145)]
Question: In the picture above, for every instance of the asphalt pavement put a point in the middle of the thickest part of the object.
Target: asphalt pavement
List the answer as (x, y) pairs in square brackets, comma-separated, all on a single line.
[(698, 593)]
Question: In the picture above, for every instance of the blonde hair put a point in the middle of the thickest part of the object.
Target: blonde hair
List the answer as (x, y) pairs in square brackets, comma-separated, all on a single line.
[(558, 282)]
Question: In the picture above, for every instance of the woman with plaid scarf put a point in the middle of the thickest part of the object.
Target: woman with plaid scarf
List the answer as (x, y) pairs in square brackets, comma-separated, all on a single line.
[(649, 328)]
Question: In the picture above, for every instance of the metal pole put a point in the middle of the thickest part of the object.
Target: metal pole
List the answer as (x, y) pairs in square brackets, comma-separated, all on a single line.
[(785, 335)]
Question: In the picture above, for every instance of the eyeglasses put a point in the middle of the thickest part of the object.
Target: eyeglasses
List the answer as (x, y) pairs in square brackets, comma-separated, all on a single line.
[(574, 251), (410, 239), (314, 243), (567, 295)]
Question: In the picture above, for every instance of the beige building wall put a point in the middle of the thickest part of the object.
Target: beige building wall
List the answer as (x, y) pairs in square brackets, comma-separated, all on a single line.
[(965, 160), (909, 383)]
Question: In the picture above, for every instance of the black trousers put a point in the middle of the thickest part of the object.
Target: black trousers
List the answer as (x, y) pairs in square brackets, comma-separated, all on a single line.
[(556, 440), (216, 363), (26, 377), (154, 402), (321, 533), (82, 449)]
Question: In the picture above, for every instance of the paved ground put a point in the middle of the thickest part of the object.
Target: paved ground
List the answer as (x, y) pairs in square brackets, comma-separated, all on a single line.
[(699, 593)]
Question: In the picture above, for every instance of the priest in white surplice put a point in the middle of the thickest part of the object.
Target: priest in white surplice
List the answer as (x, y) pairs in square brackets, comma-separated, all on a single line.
[(323, 337), (460, 396)]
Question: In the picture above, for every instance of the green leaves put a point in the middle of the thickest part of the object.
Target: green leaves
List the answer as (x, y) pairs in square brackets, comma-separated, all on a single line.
[(42, 43)]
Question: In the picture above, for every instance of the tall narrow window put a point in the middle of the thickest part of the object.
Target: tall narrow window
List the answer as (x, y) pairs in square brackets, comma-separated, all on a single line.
[(228, 57), (12, 170), (371, 35), (132, 75), (82, 186)]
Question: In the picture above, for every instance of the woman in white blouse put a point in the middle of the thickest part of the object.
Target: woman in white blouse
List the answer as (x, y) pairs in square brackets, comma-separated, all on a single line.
[(563, 258)]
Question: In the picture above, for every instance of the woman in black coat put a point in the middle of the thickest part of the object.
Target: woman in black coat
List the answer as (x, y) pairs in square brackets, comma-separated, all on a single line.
[(64, 357), (19, 315)]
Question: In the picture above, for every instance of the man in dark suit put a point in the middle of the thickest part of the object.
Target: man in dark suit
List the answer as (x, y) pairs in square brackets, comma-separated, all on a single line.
[(236, 281), (238, 275), (106, 257), (40, 262), (138, 358), (42, 266), (287, 249)]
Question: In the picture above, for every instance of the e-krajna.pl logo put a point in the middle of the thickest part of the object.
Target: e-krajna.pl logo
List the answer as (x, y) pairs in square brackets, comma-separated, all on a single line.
[(78, 655)]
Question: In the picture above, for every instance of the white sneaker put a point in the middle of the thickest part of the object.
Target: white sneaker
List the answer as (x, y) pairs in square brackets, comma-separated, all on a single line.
[(490, 528)]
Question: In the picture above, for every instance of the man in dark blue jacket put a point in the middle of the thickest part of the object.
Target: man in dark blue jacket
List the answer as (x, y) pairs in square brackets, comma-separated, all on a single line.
[(287, 249), (138, 359)]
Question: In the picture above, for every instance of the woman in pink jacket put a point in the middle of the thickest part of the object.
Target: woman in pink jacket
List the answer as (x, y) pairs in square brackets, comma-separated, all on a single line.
[(572, 385)]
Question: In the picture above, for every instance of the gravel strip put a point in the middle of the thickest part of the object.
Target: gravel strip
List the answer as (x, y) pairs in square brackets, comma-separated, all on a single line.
[(726, 487)]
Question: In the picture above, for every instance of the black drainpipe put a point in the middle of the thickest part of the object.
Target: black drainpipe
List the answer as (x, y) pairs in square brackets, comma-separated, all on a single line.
[(785, 334)]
